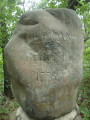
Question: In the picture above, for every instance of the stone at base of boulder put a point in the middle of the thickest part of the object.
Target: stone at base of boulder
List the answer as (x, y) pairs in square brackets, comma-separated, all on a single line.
[(78, 117), (19, 114)]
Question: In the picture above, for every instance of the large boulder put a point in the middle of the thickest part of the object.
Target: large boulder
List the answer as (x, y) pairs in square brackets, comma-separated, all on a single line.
[(44, 62)]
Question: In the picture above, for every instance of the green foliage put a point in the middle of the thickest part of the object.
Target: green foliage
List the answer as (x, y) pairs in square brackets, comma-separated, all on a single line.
[(53, 3), (1, 73), (86, 113), (84, 91), (6, 105), (9, 15)]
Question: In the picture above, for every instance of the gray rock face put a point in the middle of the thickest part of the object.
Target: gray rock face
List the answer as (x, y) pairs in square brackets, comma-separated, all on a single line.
[(19, 114), (44, 62)]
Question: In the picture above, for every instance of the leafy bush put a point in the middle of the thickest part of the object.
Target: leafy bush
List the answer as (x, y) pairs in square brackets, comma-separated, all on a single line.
[(84, 91)]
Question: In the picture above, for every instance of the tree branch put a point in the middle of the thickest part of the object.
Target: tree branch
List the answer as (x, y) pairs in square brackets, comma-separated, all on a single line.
[(86, 39)]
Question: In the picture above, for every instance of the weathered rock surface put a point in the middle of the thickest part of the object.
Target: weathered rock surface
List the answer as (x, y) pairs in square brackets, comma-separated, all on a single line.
[(19, 114), (44, 62)]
